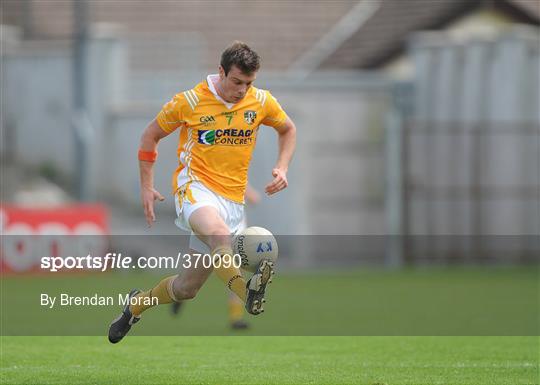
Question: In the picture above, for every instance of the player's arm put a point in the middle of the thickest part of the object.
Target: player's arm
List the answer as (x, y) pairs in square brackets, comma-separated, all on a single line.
[(287, 144), (150, 138)]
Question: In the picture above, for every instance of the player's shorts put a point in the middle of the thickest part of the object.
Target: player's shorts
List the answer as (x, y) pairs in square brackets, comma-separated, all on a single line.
[(194, 195)]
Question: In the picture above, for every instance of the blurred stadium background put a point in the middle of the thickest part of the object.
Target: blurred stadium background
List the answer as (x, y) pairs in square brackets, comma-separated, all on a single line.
[(418, 145), (416, 118)]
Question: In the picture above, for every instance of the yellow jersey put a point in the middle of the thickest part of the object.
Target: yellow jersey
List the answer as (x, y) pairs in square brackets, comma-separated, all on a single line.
[(217, 138)]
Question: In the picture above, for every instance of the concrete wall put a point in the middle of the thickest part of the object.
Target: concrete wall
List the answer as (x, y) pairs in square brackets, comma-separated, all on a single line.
[(473, 143), (36, 105), (336, 179), (473, 146), (338, 174)]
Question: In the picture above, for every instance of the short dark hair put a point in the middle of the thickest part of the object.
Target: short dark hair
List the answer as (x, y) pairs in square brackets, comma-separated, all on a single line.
[(240, 55)]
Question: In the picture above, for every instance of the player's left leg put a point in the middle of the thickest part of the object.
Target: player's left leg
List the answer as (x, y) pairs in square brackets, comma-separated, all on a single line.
[(177, 306), (175, 288)]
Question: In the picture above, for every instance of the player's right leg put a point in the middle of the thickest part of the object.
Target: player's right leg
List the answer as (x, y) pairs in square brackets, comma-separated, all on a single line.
[(210, 228), (236, 313)]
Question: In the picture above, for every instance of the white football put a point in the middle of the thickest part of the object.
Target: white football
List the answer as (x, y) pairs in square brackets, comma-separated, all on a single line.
[(254, 244)]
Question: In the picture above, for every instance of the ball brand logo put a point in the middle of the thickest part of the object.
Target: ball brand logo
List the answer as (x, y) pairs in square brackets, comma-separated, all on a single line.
[(264, 247), (241, 250), (207, 137), (226, 137)]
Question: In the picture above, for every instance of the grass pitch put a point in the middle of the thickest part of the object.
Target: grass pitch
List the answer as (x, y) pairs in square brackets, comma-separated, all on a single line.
[(318, 329), (271, 360)]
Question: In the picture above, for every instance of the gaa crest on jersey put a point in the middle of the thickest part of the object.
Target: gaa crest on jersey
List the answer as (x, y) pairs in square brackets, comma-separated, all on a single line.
[(250, 116), (208, 120)]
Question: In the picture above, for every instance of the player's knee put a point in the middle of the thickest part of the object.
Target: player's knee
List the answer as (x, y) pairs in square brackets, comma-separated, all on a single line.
[(220, 231), (189, 293), (187, 290), (220, 236), (185, 293)]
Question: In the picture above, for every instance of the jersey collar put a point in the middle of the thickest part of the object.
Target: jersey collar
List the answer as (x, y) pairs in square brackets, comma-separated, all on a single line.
[(210, 79)]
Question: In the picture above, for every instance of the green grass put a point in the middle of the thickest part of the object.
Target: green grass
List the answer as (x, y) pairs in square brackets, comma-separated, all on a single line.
[(271, 360), (470, 326), (477, 301)]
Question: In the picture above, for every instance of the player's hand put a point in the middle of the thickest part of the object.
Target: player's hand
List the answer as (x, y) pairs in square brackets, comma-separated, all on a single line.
[(148, 196), (279, 182)]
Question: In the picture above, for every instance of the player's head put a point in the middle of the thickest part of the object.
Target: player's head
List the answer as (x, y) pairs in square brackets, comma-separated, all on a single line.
[(237, 71)]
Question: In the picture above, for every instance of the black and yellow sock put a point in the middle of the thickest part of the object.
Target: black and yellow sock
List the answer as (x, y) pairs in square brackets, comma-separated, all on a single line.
[(231, 276), (163, 292)]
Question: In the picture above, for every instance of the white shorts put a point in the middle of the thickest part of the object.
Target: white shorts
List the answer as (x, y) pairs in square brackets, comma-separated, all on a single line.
[(194, 195)]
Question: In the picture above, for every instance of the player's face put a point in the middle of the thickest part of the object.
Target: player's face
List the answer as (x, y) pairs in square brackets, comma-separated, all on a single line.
[(235, 84)]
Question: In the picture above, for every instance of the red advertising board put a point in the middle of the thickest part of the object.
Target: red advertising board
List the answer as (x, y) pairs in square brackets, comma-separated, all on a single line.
[(28, 234)]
